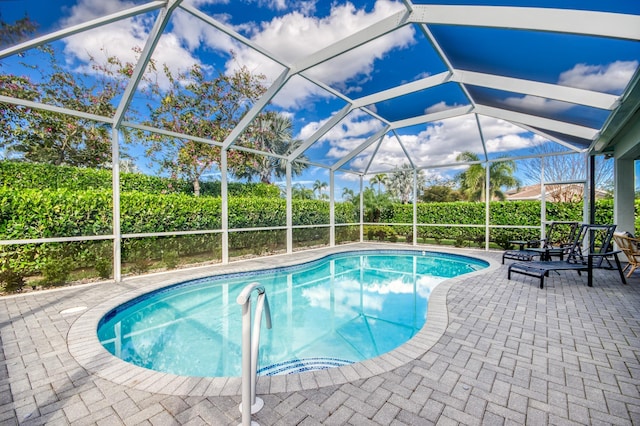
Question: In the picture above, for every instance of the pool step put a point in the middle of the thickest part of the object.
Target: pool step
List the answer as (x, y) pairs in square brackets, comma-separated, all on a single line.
[(301, 365)]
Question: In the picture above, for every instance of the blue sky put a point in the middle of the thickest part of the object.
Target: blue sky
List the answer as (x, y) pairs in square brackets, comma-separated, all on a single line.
[(291, 30)]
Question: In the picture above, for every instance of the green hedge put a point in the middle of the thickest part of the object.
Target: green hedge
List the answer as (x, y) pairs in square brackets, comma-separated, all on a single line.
[(507, 213), (46, 213), (18, 175), (26, 214), (525, 213)]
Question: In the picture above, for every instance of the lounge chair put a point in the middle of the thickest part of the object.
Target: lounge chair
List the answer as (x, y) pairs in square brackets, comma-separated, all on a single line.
[(558, 236), (631, 248), (590, 249)]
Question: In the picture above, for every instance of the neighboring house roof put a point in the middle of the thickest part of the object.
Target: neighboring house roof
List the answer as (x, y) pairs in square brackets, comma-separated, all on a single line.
[(552, 192)]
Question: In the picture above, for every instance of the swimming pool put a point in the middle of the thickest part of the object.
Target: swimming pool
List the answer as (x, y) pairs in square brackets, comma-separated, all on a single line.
[(336, 310)]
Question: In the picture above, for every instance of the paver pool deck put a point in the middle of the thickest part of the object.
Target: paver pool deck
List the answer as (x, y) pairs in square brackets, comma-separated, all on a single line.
[(493, 351)]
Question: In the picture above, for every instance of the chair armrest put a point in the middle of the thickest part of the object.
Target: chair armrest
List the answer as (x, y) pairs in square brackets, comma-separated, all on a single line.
[(609, 253)]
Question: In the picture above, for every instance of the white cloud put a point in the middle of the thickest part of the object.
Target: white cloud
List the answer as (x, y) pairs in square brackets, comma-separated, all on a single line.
[(501, 136), (493, 127), (289, 37), (610, 78), (510, 142), (119, 38), (294, 93), (86, 10), (277, 4), (350, 133), (354, 125), (537, 104), (440, 106), (442, 141), (294, 36), (193, 33)]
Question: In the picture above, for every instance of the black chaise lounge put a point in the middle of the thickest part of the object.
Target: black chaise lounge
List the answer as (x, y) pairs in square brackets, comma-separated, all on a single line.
[(590, 249), (558, 236)]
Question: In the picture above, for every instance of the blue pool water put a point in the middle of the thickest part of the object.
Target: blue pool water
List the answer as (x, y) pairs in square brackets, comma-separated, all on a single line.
[(337, 310)]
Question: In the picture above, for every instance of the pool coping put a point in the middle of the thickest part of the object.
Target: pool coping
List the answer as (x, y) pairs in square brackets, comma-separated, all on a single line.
[(85, 348)]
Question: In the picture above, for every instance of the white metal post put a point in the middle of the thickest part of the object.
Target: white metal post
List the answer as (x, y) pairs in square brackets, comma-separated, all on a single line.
[(415, 207), (361, 209), (224, 207), (332, 210), (543, 200), (289, 210), (487, 210), (115, 194), (587, 191)]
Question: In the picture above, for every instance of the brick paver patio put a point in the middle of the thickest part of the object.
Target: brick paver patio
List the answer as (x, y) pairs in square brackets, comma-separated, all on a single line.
[(503, 352)]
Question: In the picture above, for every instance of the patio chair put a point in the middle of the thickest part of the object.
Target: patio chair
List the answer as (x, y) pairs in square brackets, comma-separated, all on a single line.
[(558, 235), (631, 248), (590, 249)]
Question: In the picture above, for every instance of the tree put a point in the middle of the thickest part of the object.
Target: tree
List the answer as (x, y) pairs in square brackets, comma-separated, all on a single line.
[(275, 137), (349, 196), (439, 194), (205, 107), (400, 183), (300, 192), (379, 179), (437, 190), (11, 34), (319, 186), (562, 168), (14, 117), (50, 137), (374, 204), (472, 181)]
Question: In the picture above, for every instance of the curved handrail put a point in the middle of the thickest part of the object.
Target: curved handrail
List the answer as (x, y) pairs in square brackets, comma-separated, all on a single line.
[(250, 347)]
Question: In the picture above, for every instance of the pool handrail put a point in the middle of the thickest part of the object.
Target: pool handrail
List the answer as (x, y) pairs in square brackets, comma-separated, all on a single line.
[(250, 345)]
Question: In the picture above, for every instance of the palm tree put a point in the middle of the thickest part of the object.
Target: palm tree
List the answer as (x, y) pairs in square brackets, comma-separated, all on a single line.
[(275, 138), (379, 179), (282, 143), (501, 176), (472, 180), (374, 205), (300, 192), (319, 186), (349, 195)]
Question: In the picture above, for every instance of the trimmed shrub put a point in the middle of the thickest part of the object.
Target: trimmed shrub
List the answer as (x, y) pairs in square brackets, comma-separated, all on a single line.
[(19, 175), (56, 269), (11, 281), (43, 213)]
